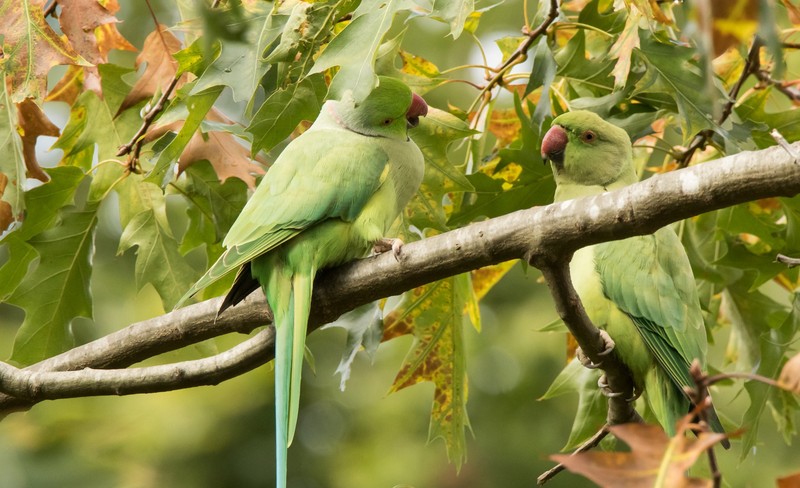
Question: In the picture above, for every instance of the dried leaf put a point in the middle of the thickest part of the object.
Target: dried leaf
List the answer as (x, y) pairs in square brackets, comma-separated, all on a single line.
[(6, 213), (790, 375), (791, 481), (161, 67), (623, 48), (226, 155), (91, 29), (654, 459), (32, 123), (30, 48), (505, 126), (734, 22)]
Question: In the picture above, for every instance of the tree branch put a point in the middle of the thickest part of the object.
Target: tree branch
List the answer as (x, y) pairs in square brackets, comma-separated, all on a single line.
[(527, 234)]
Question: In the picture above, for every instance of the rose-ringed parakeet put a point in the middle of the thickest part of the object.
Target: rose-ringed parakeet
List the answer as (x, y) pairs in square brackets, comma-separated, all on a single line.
[(640, 290), (329, 198)]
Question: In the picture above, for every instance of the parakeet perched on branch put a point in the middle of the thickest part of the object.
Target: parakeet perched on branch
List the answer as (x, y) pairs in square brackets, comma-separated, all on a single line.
[(640, 290), (329, 198)]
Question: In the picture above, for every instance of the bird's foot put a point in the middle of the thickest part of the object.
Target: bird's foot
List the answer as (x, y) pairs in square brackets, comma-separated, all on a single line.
[(606, 390), (389, 244), (609, 346)]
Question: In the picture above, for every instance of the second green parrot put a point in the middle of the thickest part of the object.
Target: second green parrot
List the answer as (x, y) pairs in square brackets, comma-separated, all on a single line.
[(640, 290), (329, 198)]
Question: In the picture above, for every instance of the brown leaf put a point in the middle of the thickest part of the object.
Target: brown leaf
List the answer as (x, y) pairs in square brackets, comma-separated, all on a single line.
[(790, 375), (654, 459), (734, 22), (32, 123), (221, 149), (161, 67), (505, 126), (30, 48), (791, 481), (6, 215), (92, 31)]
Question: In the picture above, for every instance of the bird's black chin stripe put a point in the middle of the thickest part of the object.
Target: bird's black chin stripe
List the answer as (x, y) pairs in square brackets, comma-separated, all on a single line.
[(557, 158)]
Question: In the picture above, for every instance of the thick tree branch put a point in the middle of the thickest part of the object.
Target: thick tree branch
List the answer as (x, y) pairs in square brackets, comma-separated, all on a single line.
[(527, 234)]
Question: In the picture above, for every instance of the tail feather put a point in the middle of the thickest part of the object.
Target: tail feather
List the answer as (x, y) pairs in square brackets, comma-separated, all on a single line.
[(669, 404), (242, 287), (292, 301)]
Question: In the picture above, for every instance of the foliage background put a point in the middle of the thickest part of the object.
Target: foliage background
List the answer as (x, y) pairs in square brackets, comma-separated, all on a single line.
[(222, 436)]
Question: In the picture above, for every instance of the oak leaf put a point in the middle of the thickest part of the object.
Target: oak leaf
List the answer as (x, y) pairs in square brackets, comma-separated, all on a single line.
[(91, 29), (226, 155), (32, 123), (655, 460), (30, 48), (790, 375), (159, 46)]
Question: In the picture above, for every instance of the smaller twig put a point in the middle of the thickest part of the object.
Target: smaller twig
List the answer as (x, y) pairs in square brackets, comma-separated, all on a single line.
[(590, 444), (790, 45), (713, 466), (792, 93), (751, 66), (783, 143), (138, 139), (710, 380), (790, 262), (702, 401), (215, 3)]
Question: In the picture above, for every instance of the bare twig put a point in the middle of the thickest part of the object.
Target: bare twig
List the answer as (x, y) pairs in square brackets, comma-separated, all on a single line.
[(782, 142), (138, 139), (790, 262), (590, 444)]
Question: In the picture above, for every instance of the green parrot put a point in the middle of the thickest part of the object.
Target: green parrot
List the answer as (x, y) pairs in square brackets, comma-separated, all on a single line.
[(640, 290), (329, 198)]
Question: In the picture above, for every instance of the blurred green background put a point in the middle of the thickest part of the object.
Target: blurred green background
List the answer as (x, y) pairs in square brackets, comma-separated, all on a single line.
[(362, 438)]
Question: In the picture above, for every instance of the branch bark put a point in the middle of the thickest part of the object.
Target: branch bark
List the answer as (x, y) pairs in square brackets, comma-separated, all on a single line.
[(553, 232)]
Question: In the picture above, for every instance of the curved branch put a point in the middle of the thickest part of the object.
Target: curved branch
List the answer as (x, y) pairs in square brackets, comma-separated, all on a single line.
[(554, 230)]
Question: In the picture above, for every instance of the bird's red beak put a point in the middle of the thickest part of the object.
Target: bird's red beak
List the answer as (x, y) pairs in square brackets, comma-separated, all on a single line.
[(417, 109), (554, 143)]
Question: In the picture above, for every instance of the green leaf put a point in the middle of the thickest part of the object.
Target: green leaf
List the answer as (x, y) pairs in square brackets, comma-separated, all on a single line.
[(56, 290), (43, 204), (773, 343), (217, 204), (355, 48), (592, 405), (145, 226), (454, 12), (284, 109), (542, 74), (671, 71), (437, 355), (12, 164), (198, 106), (435, 133)]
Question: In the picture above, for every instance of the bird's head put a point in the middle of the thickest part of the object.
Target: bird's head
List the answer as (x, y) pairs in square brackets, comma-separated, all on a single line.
[(587, 150), (388, 111)]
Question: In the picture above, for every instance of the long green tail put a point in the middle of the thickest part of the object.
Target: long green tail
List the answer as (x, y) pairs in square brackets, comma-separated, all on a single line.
[(292, 304)]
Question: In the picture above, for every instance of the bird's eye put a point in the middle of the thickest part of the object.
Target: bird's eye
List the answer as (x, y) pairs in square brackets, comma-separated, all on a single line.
[(588, 136), (387, 121)]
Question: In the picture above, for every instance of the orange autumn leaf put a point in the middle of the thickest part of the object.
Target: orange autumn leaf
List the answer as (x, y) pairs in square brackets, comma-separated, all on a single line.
[(160, 70), (91, 29), (791, 481), (32, 123), (654, 458), (790, 375), (226, 155), (30, 48), (6, 213)]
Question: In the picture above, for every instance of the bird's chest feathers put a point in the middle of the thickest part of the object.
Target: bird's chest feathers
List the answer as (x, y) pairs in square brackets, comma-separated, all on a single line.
[(399, 181), (587, 283)]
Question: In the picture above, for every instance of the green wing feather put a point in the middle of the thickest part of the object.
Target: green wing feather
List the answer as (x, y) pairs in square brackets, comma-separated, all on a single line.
[(308, 183), (650, 279)]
